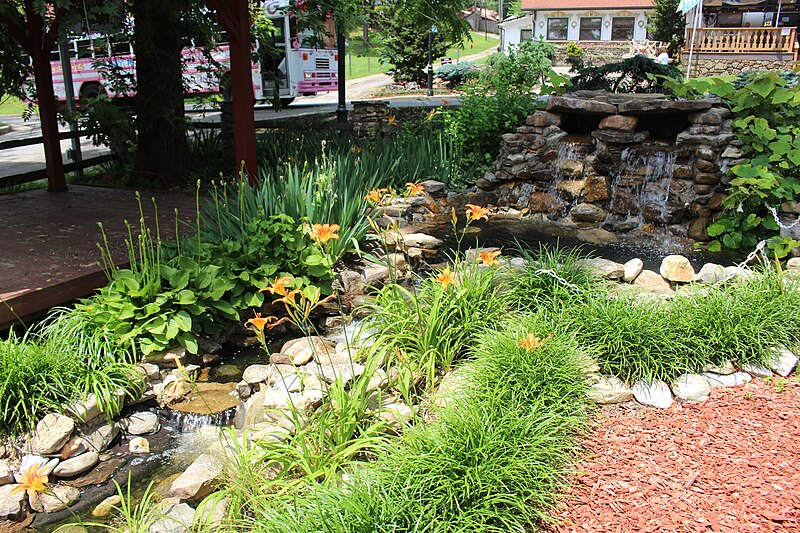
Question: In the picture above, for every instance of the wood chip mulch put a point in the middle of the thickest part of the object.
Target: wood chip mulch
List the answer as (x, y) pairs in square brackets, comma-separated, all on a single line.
[(729, 464)]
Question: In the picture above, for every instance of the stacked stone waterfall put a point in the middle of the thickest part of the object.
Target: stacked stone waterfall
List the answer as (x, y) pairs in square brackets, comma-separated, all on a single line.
[(651, 162)]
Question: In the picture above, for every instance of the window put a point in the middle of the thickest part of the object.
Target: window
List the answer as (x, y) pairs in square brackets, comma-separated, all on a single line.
[(525, 35), (622, 28), (590, 28), (557, 29)]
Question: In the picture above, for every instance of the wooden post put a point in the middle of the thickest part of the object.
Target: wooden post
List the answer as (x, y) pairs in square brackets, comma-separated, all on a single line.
[(235, 19)]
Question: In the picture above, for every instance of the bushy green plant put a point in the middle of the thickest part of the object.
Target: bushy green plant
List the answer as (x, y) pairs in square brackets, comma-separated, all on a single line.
[(501, 99), (667, 24), (496, 458), (637, 74), (431, 326), (456, 74), (575, 55), (767, 121)]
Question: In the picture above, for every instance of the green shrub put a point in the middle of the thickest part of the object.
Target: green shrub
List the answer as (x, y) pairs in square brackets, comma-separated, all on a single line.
[(637, 74), (575, 55), (767, 122), (457, 74)]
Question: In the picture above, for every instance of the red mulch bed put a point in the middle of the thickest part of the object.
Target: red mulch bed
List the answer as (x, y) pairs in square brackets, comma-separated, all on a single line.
[(730, 464)]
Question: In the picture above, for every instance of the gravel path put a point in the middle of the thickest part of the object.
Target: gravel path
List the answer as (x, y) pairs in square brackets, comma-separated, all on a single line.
[(729, 464)]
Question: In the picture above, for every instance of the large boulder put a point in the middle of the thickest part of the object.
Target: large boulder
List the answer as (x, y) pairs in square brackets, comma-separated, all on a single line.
[(783, 361), (58, 498), (632, 269), (691, 388), (677, 268), (650, 281), (602, 267), (609, 390), (11, 505), (304, 349), (653, 393), (141, 423), (52, 432), (175, 518), (199, 479), (76, 465)]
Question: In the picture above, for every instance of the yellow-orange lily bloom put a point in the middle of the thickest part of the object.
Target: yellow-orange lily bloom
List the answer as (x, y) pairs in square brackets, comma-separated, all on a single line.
[(476, 212), (415, 188), (278, 286), (392, 120), (357, 149), (259, 322), (489, 258), (531, 342), (323, 233), (376, 196), (446, 278), (34, 479)]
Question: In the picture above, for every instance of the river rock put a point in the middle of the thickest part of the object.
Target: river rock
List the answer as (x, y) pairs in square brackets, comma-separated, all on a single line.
[(243, 390), (100, 474), (619, 122), (632, 269), (150, 371), (76, 465), (756, 370), (793, 263), (609, 390), (11, 505), (105, 507), (254, 374), (100, 437), (58, 498), (199, 479), (783, 361), (175, 518), (288, 382), (375, 275), (602, 267), (46, 465), (6, 473), (420, 240), (711, 273), (596, 188), (725, 368), (597, 236), (587, 213), (309, 399), (735, 272), (52, 432), (84, 411), (305, 349), (677, 268), (729, 380), (141, 423), (139, 445), (653, 393), (650, 281), (691, 388), (396, 414), (346, 372), (620, 137)]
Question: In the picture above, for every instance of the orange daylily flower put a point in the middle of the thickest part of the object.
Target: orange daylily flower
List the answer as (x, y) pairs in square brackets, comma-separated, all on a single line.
[(376, 196), (476, 212), (260, 323), (278, 286), (323, 233), (446, 278), (489, 258), (531, 342), (431, 114), (34, 479), (391, 120), (357, 149), (415, 188), (445, 102)]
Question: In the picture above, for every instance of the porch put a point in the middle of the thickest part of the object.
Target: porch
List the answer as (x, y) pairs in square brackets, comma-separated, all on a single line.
[(772, 43)]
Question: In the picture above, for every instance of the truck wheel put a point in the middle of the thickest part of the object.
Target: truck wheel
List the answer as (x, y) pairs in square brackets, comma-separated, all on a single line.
[(286, 101), (90, 90)]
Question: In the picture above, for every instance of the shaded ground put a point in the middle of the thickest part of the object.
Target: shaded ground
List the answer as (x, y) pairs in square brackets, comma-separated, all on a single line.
[(49, 240), (730, 464)]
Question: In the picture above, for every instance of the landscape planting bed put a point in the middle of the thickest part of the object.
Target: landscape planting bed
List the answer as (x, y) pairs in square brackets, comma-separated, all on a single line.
[(729, 464)]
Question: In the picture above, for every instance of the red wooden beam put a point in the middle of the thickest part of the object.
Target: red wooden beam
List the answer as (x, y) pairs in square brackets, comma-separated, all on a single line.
[(234, 15)]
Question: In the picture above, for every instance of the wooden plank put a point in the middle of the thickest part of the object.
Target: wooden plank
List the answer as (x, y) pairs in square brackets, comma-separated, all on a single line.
[(18, 143)]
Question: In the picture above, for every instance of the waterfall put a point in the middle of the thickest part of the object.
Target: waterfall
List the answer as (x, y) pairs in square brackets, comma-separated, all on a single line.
[(656, 169)]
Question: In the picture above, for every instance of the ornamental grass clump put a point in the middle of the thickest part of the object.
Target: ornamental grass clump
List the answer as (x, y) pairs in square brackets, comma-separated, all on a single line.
[(495, 458)]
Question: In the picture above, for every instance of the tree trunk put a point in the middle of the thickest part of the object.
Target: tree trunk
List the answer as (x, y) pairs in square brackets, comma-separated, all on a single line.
[(46, 99), (162, 153)]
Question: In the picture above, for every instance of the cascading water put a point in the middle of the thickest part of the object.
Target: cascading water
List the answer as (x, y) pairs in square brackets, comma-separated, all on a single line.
[(656, 168)]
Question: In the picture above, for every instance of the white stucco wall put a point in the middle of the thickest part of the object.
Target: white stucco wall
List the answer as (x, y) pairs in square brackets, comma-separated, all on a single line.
[(510, 31), (639, 26)]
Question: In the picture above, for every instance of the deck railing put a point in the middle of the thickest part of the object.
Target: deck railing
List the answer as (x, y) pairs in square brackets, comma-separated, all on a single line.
[(744, 40)]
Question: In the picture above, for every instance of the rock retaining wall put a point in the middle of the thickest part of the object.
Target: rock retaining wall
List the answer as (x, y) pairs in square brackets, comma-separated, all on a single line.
[(597, 53), (723, 66), (620, 162)]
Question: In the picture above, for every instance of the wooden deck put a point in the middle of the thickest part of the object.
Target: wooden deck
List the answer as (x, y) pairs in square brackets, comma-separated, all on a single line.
[(48, 242), (744, 41)]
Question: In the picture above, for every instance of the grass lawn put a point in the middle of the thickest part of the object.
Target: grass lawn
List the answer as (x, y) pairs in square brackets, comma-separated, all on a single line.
[(362, 61), (11, 106)]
